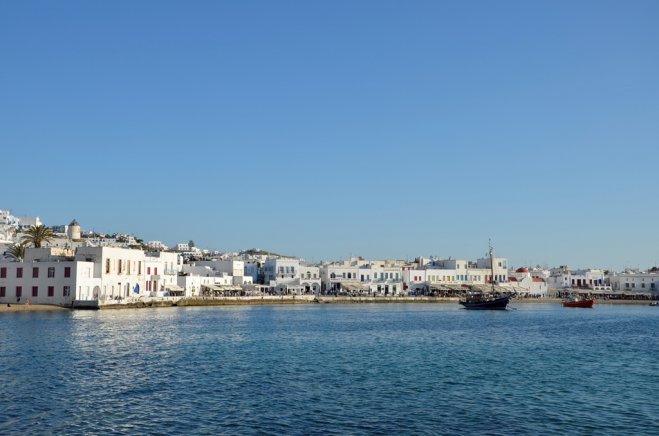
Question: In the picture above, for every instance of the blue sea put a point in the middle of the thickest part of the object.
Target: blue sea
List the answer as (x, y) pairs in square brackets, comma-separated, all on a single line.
[(331, 369)]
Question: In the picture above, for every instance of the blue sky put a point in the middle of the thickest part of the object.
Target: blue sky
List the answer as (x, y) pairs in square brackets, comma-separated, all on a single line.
[(328, 128)]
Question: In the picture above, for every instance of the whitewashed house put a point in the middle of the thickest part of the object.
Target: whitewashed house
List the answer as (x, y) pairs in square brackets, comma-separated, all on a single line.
[(525, 283), (310, 279), (636, 282), (564, 277), (384, 281), (161, 271), (416, 280), (48, 276), (339, 278)]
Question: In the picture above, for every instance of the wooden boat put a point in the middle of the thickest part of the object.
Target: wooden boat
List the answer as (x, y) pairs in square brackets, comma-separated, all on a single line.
[(576, 302), (486, 301)]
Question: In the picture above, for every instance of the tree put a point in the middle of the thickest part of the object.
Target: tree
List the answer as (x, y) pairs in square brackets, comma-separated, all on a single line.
[(37, 235), (191, 243), (17, 251)]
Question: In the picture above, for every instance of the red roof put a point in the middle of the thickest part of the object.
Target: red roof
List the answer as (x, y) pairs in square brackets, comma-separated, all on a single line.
[(522, 270), (538, 280), (512, 279)]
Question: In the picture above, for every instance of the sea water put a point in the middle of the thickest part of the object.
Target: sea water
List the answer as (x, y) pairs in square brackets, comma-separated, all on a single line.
[(331, 369)]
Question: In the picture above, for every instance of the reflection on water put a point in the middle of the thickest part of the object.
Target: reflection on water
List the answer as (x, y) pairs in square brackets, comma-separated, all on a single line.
[(325, 368)]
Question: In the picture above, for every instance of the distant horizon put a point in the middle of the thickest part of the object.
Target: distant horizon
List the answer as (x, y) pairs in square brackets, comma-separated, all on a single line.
[(378, 128)]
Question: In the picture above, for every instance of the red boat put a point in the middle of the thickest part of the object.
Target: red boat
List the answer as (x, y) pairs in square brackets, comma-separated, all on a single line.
[(575, 302)]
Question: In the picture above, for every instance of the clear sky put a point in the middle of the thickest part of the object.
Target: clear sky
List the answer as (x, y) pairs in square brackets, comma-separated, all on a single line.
[(386, 129)]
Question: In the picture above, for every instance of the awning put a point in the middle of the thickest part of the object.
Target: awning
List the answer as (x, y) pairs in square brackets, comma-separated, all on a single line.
[(352, 286), (174, 288), (222, 288), (211, 287)]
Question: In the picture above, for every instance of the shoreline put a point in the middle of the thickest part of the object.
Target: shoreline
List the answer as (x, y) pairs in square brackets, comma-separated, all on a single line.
[(297, 300), (31, 308)]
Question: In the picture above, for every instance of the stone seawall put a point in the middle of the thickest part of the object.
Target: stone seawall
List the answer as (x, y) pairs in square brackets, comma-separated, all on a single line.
[(311, 299), (306, 299)]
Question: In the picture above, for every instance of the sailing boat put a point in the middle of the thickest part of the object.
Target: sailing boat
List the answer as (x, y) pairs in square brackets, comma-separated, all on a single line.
[(486, 301)]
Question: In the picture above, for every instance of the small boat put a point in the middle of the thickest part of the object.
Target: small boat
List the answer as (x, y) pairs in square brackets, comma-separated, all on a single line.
[(486, 301), (654, 303), (480, 301), (576, 302)]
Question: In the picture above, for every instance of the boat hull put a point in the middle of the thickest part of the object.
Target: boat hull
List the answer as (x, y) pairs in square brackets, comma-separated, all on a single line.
[(582, 303), (495, 304)]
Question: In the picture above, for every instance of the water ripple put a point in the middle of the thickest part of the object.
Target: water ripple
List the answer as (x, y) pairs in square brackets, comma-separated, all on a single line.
[(372, 369)]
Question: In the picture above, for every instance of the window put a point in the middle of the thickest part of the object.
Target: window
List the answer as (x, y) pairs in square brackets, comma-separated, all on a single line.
[(35, 291), (3, 273), (19, 273), (51, 291), (51, 272), (148, 270), (107, 266), (2, 291), (67, 291), (67, 271), (35, 272), (139, 267), (155, 271), (19, 291), (118, 266)]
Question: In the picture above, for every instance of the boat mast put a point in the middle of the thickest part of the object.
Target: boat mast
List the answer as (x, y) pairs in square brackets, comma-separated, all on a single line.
[(489, 242)]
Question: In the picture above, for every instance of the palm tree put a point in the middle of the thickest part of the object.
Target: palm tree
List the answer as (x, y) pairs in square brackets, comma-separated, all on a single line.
[(37, 235), (17, 251)]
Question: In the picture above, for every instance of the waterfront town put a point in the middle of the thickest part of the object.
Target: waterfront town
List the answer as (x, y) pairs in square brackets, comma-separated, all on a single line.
[(63, 265)]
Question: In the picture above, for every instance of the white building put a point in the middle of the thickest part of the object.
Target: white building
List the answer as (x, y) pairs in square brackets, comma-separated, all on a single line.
[(156, 245), (235, 268), (523, 281), (362, 277), (563, 278), (339, 278), (382, 280), (10, 225), (418, 281), (281, 270), (310, 279), (162, 269), (638, 282), (48, 277), (218, 273), (121, 270), (254, 270)]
